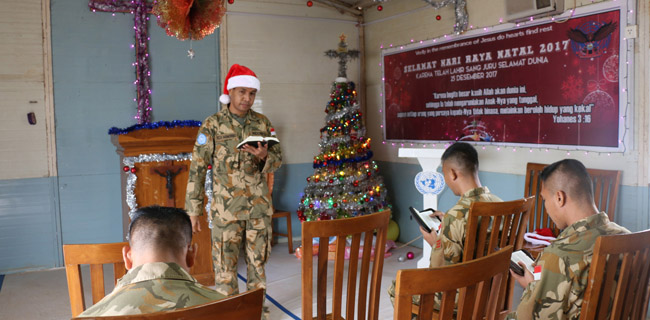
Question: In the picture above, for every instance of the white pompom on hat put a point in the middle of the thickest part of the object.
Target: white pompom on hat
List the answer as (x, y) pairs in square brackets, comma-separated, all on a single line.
[(238, 76)]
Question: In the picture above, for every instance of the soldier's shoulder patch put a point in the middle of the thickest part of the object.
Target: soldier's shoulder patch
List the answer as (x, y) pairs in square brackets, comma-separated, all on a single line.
[(201, 139)]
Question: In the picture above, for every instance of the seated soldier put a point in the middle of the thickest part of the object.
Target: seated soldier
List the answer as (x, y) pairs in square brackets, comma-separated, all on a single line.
[(460, 170), (158, 257), (569, 200)]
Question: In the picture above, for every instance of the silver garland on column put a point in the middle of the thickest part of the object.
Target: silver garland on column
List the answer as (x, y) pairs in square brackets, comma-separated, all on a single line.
[(208, 196), (460, 9)]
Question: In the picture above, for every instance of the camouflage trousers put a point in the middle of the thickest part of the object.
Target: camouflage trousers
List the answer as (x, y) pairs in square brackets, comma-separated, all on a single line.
[(227, 238), (416, 299), (391, 294)]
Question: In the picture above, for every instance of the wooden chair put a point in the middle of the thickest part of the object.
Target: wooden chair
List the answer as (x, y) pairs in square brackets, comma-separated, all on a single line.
[(369, 293), (619, 270), (481, 238), (512, 217), (480, 282), (605, 182), (270, 178), (96, 255), (244, 306)]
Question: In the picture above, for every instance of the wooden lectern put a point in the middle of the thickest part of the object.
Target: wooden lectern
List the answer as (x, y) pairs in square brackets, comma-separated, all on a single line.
[(163, 183)]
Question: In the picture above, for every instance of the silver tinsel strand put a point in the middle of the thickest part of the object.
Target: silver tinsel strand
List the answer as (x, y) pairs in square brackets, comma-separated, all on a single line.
[(130, 180), (208, 195), (460, 9), (344, 111)]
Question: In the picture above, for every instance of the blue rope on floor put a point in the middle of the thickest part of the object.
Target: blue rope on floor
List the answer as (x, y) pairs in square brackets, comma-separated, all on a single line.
[(273, 301)]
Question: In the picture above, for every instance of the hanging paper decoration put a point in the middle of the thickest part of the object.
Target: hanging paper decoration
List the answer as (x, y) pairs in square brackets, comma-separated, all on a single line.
[(460, 8), (189, 19)]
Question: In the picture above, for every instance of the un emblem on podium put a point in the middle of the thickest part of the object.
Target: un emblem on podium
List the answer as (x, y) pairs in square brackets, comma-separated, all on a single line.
[(429, 182)]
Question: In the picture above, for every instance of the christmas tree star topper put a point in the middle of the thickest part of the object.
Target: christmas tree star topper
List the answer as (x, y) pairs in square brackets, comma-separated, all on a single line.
[(343, 55)]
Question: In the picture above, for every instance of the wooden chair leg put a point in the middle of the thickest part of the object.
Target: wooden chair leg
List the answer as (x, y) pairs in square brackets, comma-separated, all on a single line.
[(289, 235)]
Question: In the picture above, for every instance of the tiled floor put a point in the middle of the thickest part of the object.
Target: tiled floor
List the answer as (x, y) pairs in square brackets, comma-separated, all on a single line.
[(44, 294)]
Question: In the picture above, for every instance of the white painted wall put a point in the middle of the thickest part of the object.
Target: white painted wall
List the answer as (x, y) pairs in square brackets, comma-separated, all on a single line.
[(403, 20), (26, 151), (283, 42)]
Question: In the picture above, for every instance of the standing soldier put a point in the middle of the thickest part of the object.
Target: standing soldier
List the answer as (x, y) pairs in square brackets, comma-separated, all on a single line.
[(241, 207)]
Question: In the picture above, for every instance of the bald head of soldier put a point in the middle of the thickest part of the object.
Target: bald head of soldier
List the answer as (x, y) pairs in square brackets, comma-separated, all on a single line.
[(568, 192), (460, 168), (160, 234)]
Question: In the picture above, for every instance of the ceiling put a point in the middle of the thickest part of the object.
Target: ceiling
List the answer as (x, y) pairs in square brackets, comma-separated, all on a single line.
[(353, 7)]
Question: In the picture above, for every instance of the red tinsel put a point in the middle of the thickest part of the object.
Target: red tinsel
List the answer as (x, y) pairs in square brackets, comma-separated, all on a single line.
[(189, 19)]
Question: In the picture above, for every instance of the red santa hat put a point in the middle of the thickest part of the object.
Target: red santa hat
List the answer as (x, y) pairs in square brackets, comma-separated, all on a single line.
[(238, 76)]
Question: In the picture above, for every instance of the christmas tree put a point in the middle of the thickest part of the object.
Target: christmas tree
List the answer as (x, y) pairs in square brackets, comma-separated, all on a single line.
[(345, 182)]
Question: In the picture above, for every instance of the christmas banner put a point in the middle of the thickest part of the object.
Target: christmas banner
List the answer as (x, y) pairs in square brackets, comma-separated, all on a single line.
[(548, 84)]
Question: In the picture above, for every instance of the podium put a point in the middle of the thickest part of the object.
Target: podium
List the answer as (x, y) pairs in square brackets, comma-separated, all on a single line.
[(429, 160), (155, 167)]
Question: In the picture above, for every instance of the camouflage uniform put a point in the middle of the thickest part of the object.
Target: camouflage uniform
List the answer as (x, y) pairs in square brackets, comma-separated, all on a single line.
[(241, 205), (451, 239), (565, 267), (153, 287)]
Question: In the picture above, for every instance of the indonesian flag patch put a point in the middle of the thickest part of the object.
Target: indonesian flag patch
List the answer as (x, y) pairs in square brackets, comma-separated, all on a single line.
[(272, 132), (538, 273)]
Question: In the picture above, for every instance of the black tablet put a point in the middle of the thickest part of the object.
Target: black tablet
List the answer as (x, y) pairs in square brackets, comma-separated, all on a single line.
[(425, 220)]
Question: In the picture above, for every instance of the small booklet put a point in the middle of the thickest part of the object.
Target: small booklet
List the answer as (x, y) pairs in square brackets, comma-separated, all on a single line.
[(523, 256), (253, 140), (425, 220)]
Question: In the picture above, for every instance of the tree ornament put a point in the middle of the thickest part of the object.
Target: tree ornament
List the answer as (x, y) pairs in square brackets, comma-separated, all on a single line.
[(126, 168), (379, 8), (231, 1), (401, 258), (209, 167), (410, 255), (438, 17), (310, 3), (133, 170)]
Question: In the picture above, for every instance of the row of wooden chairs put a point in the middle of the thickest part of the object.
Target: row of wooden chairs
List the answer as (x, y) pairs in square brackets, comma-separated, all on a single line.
[(620, 269), (483, 248)]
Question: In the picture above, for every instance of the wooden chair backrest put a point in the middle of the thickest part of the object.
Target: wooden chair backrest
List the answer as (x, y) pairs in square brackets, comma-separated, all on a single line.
[(605, 183), (244, 306), (369, 292), (96, 255), (480, 282), (619, 269), (480, 238)]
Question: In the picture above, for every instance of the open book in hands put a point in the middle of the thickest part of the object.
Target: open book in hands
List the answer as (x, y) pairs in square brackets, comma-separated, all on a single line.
[(523, 256), (253, 140), (425, 220)]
